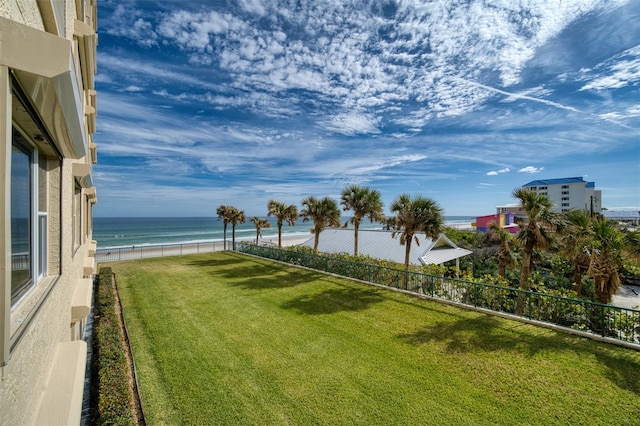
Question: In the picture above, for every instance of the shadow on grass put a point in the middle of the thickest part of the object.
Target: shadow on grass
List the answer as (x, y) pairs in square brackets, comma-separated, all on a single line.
[(214, 263), (488, 334), (483, 333), (334, 300), (256, 279), (245, 272), (623, 371)]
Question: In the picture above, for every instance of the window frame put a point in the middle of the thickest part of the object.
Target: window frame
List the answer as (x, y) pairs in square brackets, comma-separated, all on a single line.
[(23, 146), (19, 117), (77, 215)]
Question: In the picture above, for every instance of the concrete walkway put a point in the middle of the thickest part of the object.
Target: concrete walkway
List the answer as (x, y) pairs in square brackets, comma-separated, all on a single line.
[(628, 296)]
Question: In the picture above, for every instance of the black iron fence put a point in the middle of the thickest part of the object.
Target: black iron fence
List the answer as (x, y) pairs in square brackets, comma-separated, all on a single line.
[(604, 320)]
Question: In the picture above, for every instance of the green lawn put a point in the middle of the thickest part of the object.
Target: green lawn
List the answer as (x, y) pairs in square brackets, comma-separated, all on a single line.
[(222, 338)]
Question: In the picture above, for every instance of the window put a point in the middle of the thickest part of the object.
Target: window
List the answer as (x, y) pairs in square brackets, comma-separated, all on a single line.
[(77, 216), (29, 224), (43, 193), (21, 222)]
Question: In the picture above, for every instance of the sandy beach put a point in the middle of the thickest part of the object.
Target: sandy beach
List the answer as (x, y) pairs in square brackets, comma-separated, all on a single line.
[(144, 251), (287, 240)]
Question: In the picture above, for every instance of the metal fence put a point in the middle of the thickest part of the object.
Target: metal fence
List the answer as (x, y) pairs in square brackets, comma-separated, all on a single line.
[(140, 252), (604, 320), (20, 261)]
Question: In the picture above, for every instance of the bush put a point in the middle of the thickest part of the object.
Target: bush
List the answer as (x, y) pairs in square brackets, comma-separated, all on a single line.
[(110, 393)]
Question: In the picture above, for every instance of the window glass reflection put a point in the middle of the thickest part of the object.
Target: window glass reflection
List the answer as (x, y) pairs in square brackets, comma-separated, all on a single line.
[(21, 279)]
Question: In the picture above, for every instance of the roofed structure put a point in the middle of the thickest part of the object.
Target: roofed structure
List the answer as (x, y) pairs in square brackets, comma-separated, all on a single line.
[(631, 217), (380, 244)]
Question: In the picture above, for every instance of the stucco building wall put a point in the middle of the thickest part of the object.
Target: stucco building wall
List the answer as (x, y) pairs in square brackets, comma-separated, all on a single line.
[(47, 56), (24, 11)]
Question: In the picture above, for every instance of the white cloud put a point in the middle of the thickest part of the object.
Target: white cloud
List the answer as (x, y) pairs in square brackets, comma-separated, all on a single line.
[(303, 99), (356, 58), (133, 88), (621, 71), (351, 124), (531, 169), (125, 22), (142, 71), (497, 172), (388, 163)]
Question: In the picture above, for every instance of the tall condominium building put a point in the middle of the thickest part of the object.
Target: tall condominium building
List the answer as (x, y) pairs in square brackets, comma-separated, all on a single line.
[(569, 193), (47, 119)]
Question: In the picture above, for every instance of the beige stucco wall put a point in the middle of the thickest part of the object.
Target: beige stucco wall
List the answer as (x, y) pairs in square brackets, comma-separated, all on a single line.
[(23, 11), (41, 323), (25, 376), (24, 379)]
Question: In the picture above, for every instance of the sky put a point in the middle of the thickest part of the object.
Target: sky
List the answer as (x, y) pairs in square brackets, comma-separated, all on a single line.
[(203, 103)]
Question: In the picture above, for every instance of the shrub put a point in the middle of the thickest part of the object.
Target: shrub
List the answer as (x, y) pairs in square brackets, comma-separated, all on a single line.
[(110, 393)]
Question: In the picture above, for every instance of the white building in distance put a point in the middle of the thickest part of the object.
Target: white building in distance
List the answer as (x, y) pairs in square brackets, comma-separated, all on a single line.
[(569, 194)]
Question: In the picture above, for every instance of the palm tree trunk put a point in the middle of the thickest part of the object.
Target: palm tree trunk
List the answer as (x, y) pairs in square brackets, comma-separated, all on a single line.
[(279, 235), (356, 225), (316, 241), (407, 253), (602, 295), (233, 236), (502, 268), (577, 279), (225, 235), (525, 272)]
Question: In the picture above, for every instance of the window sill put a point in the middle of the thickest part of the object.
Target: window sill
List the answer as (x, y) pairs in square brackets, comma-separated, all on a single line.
[(27, 308)]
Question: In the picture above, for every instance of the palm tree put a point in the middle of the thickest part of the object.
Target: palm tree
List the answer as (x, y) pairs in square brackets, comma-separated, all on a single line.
[(413, 216), (632, 243), (365, 202), (283, 213), (236, 217), (607, 247), (323, 212), (535, 233), (389, 223), (503, 238), (575, 239), (223, 213), (259, 223)]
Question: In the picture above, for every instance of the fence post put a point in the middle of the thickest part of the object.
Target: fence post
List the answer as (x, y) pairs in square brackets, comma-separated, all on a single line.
[(475, 294)]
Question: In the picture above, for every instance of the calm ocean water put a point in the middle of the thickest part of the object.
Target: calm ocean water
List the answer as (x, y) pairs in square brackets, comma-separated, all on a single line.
[(138, 231)]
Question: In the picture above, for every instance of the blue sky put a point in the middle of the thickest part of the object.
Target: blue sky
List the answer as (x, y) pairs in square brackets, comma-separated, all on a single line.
[(202, 103)]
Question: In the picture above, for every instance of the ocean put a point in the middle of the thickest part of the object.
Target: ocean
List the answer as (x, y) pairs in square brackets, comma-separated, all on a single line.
[(142, 231)]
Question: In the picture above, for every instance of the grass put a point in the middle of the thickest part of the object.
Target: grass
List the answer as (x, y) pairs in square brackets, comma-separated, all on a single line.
[(223, 338)]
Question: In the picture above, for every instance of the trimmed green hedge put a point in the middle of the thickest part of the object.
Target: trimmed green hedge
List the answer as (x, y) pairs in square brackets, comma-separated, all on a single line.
[(110, 394)]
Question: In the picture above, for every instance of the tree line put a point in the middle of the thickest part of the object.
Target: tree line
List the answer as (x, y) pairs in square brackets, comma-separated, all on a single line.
[(413, 215), (596, 246)]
